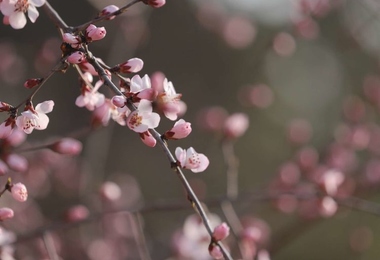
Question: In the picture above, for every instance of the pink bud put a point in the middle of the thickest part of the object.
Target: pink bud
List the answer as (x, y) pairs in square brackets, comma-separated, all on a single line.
[(148, 139), (155, 3), (118, 101), (221, 232), (3, 168), (31, 83), (17, 137), (6, 213), (215, 251), (4, 107), (16, 162), (69, 146), (109, 10), (131, 66), (70, 38), (95, 33), (76, 57), (236, 125), (110, 191), (19, 192), (77, 213), (6, 128), (181, 129)]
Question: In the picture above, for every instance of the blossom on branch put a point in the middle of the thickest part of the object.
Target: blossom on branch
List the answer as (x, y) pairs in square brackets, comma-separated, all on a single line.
[(143, 118), (94, 33), (19, 192), (180, 130), (35, 118), (15, 11), (90, 98), (190, 159), (169, 101)]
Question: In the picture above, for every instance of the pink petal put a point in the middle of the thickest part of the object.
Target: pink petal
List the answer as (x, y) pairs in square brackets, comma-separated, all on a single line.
[(33, 13), (180, 154), (204, 162), (45, 107), (37, 3), (17, 20), (7, 8), (152, 121), (43, 121)]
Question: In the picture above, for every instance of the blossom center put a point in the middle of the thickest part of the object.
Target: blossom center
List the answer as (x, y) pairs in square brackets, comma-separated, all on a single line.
[(22, 6), (135, 120)]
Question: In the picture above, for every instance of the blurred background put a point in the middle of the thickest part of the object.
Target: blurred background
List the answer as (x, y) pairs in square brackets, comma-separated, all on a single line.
[(306, 72)]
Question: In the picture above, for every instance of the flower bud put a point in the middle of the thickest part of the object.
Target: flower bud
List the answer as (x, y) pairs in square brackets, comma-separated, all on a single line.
[(31, 83), (118, 101), (180, 130), (215, 251), (133, 65), (95, 33), (6, 128), (221, 232), (155, 3), (19, 192), (4, 107), (68, 146), (6, 213), (148, 139), (76, 57), (108, 10)]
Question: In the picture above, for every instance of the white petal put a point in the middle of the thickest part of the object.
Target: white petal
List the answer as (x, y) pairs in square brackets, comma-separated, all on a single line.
[(37, 3), (80, 102), (136, 84), (145, 106), (43, 121), (32, 13), (180, 154), (17, 20), (45, 107), (152, 121), (7, 8), (203, 164)]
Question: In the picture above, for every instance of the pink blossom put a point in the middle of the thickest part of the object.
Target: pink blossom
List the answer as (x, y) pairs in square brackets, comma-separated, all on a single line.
[(221, 232), (16, 162), (143, 118), (6, 128), (215, 252), (76, 57), (95, 33), (16, 9), (331, 180), (169, 102), (4, 106), (109, 10), (107, 110), (17, 137), (236, 125), (180, 130), (67, 145), (6, 213), (142, 88), (19, 192), (91, 98), (35, 118), (73, 40), (190, 159), (133, 65), (155, 3), (148, 139)]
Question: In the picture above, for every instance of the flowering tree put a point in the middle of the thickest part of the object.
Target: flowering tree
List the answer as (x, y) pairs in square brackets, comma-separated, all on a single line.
[(105, 216)]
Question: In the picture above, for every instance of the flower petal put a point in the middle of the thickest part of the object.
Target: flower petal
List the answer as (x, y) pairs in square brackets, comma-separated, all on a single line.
[(33, 13), (17, 20), (43, 121), (45, 107), (37, 3)]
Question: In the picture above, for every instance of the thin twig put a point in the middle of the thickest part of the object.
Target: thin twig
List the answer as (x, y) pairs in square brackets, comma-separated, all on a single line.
[(138, 233), (55, 17)]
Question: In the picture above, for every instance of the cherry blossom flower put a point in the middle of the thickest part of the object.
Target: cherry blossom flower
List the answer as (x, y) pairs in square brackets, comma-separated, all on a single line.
[(106, 111), (90, 98), (190, 159), (16, 9), (76, 57), (180, 130), (215, 252), (169, 101), (143, 118), (35, 118), (16, 162), (19, 192)]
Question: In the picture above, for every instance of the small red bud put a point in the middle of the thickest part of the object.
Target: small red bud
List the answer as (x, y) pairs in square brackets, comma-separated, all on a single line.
[(31, 83)]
